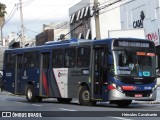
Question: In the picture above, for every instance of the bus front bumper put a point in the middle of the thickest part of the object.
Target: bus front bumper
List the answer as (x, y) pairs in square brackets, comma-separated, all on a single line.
[(117, 95)]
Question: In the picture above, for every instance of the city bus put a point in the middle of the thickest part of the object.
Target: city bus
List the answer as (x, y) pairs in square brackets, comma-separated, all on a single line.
[(117, 70)]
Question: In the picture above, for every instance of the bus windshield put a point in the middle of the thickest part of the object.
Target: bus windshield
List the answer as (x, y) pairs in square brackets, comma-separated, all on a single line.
[(134, 63)]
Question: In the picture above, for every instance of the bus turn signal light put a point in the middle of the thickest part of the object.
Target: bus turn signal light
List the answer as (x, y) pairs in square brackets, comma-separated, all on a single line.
[(128, 87)]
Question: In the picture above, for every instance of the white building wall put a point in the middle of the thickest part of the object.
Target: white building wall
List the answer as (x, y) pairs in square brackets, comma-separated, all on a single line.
[(125, 14), (109, 18), (108, 21), (131, 11)]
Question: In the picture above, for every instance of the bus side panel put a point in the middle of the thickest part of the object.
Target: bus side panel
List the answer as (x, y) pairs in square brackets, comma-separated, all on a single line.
[(9, 80), (75, 78), (53, 86), (30, 76), (61, 77)]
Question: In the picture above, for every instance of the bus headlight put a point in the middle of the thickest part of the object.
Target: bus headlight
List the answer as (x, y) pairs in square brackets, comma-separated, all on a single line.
[(117, 87)]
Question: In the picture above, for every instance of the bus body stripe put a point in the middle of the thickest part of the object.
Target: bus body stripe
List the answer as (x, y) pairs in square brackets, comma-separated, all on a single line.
[(45, 84)]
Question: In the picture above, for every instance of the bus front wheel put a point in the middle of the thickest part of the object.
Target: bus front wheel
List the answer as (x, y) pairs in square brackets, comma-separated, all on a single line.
[(30, 96), (84, 96)]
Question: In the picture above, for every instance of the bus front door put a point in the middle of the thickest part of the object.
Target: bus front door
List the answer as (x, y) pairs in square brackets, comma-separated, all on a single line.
[(18, 73), (44, 74), (99, 74)]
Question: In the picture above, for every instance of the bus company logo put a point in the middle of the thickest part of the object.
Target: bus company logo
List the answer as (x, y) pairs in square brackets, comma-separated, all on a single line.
[(62, 74), (25, 75), (8, 74)]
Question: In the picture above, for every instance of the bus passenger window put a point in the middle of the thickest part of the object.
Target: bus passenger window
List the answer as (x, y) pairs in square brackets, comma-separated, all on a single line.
[(58, 58), (70, 57), (46, 60), (30, 59), (83, 57), (10, 59)]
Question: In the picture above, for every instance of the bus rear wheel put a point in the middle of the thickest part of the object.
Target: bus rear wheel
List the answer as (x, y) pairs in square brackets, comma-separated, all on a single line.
[(84, 96), (64, 100), (124, 103)]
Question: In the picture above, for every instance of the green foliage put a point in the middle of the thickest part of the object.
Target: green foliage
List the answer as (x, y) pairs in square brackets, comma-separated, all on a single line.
[(2, 10)]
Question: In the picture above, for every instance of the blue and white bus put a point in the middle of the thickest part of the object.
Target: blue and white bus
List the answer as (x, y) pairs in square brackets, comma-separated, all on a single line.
[(115, 70)]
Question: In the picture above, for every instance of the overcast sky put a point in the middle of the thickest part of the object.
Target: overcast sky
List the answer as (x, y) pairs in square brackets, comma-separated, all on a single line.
[(35, 14)]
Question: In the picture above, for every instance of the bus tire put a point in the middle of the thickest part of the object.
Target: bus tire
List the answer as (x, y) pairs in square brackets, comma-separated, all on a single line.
[(30, 94), (84, 96), (123, 103), (64, 100)]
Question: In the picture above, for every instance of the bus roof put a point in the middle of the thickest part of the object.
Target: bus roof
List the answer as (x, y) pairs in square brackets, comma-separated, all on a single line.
[(66, 43)]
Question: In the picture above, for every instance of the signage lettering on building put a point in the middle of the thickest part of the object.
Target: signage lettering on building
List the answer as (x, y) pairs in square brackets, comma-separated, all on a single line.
[(139, 23)]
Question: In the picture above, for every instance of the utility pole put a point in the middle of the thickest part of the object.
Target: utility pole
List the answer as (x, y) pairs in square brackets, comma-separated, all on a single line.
[(22, 26), (96, 15)]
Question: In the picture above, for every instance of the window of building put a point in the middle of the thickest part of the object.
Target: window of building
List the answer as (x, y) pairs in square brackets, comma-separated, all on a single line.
[(78, 15), (83, 57), (88, 35), (70, 57), (82, 13), (87, 13), (58, 58)]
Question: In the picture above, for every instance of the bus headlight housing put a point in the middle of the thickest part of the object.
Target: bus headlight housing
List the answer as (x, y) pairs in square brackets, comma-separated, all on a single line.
[(117, 87), (154, 88)]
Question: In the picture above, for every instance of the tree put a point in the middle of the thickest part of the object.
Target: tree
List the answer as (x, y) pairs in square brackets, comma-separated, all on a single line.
[(2, 10)]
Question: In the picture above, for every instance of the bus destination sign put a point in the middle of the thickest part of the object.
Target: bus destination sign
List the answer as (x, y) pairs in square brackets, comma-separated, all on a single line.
[(132, 44)]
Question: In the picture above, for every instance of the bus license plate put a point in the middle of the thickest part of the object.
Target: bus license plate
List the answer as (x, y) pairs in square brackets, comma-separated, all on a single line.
[(138, 95)]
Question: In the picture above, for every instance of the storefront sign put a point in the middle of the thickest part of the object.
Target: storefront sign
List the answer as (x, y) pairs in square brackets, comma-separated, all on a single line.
[(139, 23)]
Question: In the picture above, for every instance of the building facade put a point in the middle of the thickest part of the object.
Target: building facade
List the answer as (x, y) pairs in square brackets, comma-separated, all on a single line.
[(120, 15), (45, 36), (60, 28), (80, 20)]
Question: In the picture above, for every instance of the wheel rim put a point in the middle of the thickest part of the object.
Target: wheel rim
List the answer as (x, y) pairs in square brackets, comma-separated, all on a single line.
[(85, 95), (29, 93)]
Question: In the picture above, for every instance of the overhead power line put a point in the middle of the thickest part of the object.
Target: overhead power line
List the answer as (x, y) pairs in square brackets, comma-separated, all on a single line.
[(26, 3), (30, 30)]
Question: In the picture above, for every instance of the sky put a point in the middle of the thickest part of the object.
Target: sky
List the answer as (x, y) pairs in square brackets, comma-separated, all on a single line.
[(35, 14)]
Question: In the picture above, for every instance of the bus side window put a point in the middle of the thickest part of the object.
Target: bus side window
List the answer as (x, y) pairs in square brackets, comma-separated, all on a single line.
[(10, 59), (70, 57), (30, 59), (20, 62), (46, 60), (58, 58), (83, 57)]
